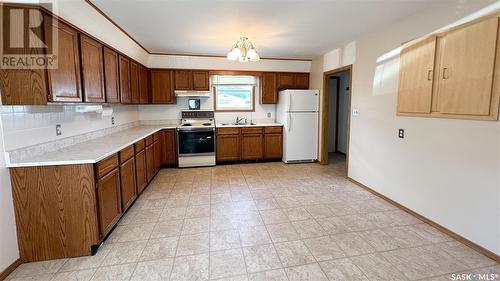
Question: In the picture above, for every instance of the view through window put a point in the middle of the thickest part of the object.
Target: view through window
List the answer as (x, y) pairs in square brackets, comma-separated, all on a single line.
[(234, 93)]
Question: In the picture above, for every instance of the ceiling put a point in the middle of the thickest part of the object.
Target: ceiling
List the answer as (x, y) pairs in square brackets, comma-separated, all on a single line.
[(278, 28)]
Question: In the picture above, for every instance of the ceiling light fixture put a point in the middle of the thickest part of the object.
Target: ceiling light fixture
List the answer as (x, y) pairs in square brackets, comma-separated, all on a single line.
[(243, 51)]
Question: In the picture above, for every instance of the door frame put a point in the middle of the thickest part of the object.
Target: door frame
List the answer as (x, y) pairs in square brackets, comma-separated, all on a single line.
[(325, 110)]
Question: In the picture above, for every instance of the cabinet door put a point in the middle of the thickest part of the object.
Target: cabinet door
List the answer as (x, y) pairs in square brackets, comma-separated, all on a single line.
[(228, 147), (109, 200), (134, 82), (169, 152), (301, 80), (150, 162), (200, 80), (273, 146), (466, 73), (143, 85), (92, 70), (285, 81), (128, 183), (415, 77), (140, 169), (157, 155), (111, 76), (161, 87), (182, 80), (252, 147), (64, 81), (125, 95), (269, 93)]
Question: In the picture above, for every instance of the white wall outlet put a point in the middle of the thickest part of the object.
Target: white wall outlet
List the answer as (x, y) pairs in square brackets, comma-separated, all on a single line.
[(269, 115), (112, 120), (355, 112), (58, 130)]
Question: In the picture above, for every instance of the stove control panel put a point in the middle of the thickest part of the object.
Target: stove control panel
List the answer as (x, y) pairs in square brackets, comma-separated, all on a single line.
[(197, 114)]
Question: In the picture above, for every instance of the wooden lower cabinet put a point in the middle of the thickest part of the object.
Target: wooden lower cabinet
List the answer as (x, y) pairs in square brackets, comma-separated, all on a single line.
[(150, 162), (140, 169), (169, 147), (109, 201), (252, 144), (128, 183), (273, 143), (157, 156), (228, 144)]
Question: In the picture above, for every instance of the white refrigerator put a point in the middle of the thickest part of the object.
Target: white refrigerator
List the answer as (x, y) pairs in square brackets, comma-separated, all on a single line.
[(298, 111)]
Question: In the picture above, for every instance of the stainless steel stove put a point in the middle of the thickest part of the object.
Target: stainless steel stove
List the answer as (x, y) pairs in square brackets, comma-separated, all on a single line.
[(196, 139)]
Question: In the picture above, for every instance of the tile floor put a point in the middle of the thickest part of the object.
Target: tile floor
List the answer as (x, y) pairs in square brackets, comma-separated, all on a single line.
[(266, 221)]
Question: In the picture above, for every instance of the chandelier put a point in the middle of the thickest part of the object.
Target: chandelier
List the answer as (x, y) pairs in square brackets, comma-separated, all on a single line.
[(243, 51)]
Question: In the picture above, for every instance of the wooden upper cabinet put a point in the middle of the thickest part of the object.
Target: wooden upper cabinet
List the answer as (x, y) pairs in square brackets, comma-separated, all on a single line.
[(143, 85), (200, 80), (161, 87), (269, 92), (467, 68), (415, 77), (91, 53), (286, 81), (182, 79), (301, 80), (111, 76), (64, 81), (109, 201), (125, 95), (134, 82)]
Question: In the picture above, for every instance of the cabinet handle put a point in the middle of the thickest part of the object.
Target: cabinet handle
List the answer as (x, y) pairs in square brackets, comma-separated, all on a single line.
[(445, 73), (429, 75)]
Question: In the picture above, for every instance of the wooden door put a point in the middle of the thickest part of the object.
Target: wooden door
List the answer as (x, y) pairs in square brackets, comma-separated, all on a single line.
[(182, 80), (157, 155), (416, 77), (125, 95), (466, 69), (111, 76), (269, 93), (169, 152), (143, 85), (161, 87), (64, 81), (91, 53), (109, 201), (252, 146), (134, 82), (285, 81), (228, 144), (273, 146), (200, 80), (140, 169), (150, 163), (128, 183), (301, 80)]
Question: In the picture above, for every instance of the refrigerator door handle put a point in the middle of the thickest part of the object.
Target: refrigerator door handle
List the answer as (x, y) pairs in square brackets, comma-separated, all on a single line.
[(288, 121), (289, 102)]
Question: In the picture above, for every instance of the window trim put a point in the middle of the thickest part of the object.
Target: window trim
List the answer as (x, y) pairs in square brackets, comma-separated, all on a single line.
[(234, 110)]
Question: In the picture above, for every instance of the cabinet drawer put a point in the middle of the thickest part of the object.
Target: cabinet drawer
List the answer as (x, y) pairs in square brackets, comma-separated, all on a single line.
[(107, 165), (139, 146), (149, 140), (273, 130), (257, 130), (126, 153), (228, 131), (156, 136)]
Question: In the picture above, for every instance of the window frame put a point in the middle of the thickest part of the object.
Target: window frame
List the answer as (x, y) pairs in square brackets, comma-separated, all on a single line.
[(235, 110)]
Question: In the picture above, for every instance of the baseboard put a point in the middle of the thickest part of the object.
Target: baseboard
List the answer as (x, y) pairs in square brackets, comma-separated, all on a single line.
[(10, 269), (441, 228)]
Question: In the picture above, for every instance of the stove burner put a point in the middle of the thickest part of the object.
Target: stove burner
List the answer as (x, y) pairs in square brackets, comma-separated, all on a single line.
[(207, 124), (186, 125)]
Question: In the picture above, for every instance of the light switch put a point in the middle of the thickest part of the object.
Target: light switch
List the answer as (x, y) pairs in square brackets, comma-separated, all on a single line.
[(401, 133), (58, 130), (355, 112)]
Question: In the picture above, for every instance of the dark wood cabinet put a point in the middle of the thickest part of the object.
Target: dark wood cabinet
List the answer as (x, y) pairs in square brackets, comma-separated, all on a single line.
[(169, 145), (252, 143), (134, 82), (109, 201), (269, 93), (273, 143), (143, 85), (196, 80), (200, 80), (157, 155), (162, 91), (64, 81), (301, 80), (140, 168), (125, 95), (286, 80), (150, 162), (182, 80), (111, 76), (128, 177), (228, 144), (91, 53)]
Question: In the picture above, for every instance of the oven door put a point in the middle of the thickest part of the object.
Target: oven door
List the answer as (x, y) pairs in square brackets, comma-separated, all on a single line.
[(196, 142)]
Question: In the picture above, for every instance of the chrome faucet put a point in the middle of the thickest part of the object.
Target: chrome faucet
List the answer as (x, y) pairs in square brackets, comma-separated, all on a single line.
[(238, 120)]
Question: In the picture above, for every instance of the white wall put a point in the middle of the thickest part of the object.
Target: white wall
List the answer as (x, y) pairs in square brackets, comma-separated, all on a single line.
[(446, 170)]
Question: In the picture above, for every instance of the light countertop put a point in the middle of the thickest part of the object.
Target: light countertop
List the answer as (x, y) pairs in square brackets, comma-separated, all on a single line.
[(91, 151)]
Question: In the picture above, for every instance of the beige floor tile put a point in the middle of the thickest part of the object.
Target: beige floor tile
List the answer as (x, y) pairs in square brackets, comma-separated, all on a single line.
[(38, 268), (266, 204), (324, 248), (466, 255), (342, 270), (308, 228), (196, 225), (273, 216), (140, 216), (288, 201), (357, 222), (167, 228), (282, 232), (126, 252), (177, 213), (297, 214), (149, 204), (131, 232), (156, 270), (224, 240), (160, 249), (294, 253), (41, 277), (271, 275), (94, 261), (352, 244), (308, 272), (380, 240), (254, 236), (333, 225), (80, 275), (405, 236), (319, 211), (233, 278), (376, 267), (190, 268), (120, 272), (261, 257), (227, 263), (197, 211), (193, 244)]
